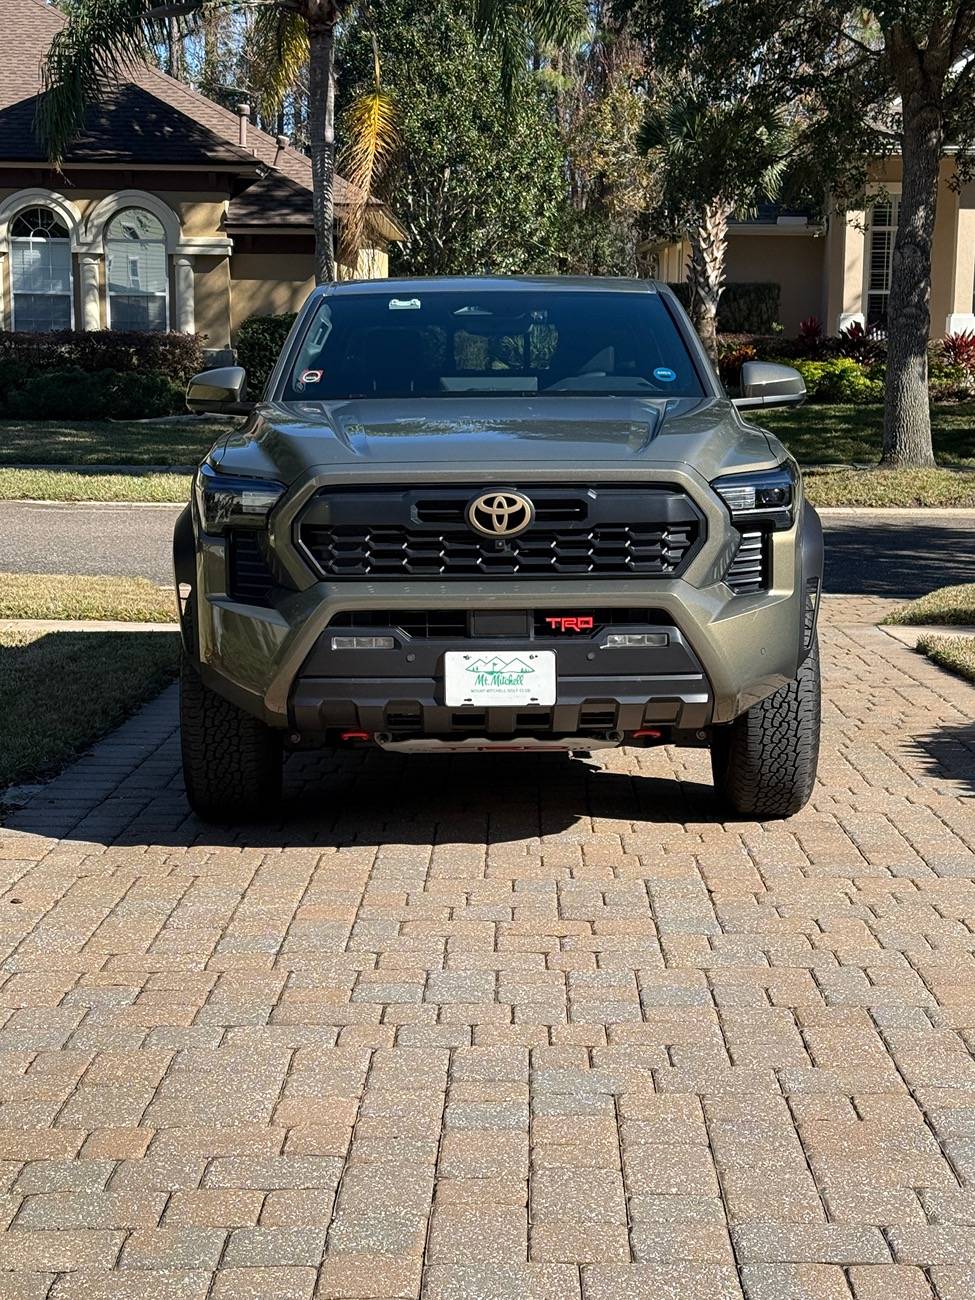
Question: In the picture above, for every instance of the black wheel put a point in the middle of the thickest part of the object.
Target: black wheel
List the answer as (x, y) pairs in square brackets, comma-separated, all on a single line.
[(231, 761), (764, 762)]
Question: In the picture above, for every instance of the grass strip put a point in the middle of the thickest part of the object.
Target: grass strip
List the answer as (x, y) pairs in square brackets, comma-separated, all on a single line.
[(944, 606), (105, 442), (61, 691), (956, 653), (63, 485), (72, 596), (891, 488)]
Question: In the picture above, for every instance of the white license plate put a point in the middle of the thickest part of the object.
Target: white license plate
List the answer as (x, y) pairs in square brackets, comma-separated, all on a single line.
[(499, 677)]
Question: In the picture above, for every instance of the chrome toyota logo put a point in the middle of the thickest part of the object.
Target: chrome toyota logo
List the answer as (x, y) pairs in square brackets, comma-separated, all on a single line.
[(500, 514)]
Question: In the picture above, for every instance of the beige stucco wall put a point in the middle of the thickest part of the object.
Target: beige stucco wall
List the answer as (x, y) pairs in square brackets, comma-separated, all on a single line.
[(793, 261), (211, 276), (266, 284), (953, 254)]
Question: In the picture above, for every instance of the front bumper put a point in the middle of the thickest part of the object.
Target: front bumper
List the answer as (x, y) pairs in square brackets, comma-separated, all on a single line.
[(737, 648)]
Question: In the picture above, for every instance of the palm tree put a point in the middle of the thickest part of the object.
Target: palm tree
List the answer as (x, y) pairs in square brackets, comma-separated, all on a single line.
[(713, 158), (102, 37)]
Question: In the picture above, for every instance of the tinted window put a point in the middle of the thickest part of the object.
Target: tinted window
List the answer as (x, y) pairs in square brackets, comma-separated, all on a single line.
[(491, 343)]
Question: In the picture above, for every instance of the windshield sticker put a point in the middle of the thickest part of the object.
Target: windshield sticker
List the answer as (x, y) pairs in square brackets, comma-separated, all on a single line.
[(311, 377), (404, 304), (665, 374)]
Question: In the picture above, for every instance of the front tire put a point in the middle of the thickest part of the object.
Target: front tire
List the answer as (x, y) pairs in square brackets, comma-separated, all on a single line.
[(232, 762), (764, 763)]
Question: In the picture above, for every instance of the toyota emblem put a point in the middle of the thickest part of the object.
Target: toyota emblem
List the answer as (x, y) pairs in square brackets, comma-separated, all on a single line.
[(500, 514)]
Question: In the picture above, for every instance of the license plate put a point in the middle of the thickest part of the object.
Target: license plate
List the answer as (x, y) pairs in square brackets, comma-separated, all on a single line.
[(503, 678)]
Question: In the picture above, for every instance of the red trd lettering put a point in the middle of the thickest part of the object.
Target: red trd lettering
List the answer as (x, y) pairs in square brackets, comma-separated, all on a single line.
[(571, 622)]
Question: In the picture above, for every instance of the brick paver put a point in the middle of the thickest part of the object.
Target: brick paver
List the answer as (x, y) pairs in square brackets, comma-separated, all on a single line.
[(506, 1029)]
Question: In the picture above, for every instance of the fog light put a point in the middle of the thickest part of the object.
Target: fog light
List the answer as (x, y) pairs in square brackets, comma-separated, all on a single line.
[(635, 640), (363, 643)]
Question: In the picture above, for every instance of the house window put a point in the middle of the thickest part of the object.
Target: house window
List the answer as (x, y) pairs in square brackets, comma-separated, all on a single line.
[(40, 271), (884, 216), (138, 275)]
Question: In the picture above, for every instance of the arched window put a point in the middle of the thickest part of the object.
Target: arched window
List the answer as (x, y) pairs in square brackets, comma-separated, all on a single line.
[(40, 271), (138, 277)]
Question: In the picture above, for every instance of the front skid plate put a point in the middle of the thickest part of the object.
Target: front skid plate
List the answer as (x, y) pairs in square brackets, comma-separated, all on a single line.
[(481, 745)]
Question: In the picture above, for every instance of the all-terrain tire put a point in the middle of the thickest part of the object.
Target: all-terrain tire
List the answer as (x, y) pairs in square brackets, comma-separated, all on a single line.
[(231, 762), (764, 762)]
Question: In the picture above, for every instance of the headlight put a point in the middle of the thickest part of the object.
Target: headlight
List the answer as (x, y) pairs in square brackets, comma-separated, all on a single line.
[(223, 500), (767, 496)]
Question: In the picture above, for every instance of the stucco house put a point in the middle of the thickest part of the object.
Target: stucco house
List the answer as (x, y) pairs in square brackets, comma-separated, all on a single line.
[(838, 270), (170, 212)]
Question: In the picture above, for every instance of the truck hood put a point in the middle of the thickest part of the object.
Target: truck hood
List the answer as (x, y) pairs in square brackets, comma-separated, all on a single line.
[(287, 441)]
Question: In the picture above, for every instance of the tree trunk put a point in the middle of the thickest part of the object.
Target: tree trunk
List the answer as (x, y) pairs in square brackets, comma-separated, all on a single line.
[(705, 272), (907, 411), (321, 131)]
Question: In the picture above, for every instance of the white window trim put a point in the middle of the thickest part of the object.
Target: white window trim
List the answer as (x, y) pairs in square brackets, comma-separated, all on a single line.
[(893, 191), (23, 239)]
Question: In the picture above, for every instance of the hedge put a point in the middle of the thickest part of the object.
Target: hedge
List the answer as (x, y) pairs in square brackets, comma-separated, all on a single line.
[(77, 394), (748, 307), (177, 356), (259, 341)]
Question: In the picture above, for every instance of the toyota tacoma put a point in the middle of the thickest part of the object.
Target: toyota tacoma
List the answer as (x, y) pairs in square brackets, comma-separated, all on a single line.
[(482, 514)]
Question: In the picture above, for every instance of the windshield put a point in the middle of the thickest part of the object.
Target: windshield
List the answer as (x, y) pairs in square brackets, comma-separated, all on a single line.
[(437, 343)]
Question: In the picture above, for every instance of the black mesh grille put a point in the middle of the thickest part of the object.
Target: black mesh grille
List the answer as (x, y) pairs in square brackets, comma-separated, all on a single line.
[(604, 531), (748, 571), (249, 579)]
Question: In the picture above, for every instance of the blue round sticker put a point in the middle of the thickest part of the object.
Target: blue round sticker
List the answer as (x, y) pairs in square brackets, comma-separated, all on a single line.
[(665, 374)]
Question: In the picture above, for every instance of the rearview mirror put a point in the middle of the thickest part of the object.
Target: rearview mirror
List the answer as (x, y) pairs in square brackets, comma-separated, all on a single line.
[(766, 384), (219, 392)]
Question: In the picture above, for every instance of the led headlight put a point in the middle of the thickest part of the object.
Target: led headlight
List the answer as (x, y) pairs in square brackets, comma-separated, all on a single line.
[(766, 496), (224, 500)]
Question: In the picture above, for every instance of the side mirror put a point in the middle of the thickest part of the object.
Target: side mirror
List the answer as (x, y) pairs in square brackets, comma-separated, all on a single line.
[(766, 384), (219, 392)]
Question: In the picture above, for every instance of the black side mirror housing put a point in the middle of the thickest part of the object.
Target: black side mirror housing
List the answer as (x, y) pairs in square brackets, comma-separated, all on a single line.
[(219, 392), (765, 384)]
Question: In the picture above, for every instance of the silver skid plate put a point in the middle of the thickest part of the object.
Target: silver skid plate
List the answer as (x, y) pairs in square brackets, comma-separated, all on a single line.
[(484, 745)]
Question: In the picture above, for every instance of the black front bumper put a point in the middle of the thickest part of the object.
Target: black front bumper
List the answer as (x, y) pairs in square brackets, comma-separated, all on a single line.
[(400, 692)]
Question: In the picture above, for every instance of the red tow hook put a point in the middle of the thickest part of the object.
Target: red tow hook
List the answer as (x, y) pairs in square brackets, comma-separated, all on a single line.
[(647, 733), (356, 735)]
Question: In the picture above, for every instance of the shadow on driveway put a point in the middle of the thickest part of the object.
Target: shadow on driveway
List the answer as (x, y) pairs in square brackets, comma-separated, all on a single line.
[(900, 558), (949, 754)]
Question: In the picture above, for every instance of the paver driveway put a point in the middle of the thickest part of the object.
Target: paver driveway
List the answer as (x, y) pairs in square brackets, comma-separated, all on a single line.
[(502, 1029)]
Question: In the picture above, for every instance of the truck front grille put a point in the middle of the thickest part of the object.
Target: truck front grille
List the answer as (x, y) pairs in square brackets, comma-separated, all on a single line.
[(602, 531)]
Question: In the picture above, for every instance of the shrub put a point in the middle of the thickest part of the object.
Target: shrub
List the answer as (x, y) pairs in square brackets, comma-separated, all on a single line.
[(177, 355), (259, 341), (106, 394), (745, 308), (733, 351), (866, 345), (840, 379), (958, 351)]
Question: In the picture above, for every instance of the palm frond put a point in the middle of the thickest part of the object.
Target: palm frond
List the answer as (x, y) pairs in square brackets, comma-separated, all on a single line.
[(370, 126), (278, 50), (90, 53), (516, 28)]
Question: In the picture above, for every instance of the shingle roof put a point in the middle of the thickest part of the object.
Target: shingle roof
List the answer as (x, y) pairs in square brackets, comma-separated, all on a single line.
[(152, 118)]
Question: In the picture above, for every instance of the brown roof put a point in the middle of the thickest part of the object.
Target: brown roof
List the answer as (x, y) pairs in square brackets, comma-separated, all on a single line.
[(153, 118)]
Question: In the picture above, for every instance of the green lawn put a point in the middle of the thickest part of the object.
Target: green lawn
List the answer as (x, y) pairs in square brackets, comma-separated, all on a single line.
[(72, 596), (61, 691), (103, 442), (956, 653), (946, 605), (66, 485), (827, 435), (890, 488)]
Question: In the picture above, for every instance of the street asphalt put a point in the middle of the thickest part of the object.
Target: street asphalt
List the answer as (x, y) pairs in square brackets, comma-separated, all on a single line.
[(871, 553)]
